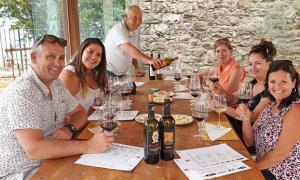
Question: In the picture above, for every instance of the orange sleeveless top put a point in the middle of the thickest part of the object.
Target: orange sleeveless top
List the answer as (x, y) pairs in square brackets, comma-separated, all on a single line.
[(226, 72)]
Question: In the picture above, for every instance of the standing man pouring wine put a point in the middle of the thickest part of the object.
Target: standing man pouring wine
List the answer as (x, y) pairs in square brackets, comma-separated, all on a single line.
[(123, 45)]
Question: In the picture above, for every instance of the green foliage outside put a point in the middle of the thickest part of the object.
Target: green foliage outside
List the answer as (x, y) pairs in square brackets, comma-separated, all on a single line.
[(34, 15), (19, 10)]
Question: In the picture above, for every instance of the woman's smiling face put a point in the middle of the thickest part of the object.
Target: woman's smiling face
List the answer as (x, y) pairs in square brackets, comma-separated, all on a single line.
[(91, 56), (258, 66), (280, 84)]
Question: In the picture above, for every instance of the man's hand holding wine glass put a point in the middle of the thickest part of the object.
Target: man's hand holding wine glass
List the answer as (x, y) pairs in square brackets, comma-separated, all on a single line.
[(100, 142)]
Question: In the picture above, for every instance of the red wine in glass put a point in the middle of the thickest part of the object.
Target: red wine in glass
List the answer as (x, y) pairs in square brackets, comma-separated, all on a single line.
[(177, 78), (244, 100), (199, 119), (109, 126), (109, 116), (125, 93), (194, 93), (214, 79)]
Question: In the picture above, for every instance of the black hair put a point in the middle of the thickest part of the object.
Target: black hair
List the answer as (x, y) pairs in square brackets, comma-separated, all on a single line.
[(266, 49)]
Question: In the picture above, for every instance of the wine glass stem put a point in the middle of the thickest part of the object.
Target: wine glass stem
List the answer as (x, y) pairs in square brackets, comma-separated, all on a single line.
[(219, 123), (200, 130)]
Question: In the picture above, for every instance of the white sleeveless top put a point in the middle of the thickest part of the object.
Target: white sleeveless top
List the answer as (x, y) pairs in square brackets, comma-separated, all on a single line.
[(88, 100)]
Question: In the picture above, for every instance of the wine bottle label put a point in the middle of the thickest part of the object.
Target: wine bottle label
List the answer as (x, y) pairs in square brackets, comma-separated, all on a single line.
[(168, 138), (153, 142), (151, 73), (159, 75)]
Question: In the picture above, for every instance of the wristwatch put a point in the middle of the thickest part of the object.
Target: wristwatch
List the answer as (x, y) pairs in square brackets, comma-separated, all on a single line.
[(72, 128)]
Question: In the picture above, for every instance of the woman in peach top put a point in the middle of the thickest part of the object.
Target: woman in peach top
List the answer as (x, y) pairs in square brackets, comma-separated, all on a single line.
[(230, 72)]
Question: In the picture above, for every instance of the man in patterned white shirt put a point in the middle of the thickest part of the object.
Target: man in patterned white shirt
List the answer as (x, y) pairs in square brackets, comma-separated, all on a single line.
[(38, 116)]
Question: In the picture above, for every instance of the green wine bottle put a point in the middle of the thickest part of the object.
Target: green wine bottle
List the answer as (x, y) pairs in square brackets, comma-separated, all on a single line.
[(167, 133), (151, 135)]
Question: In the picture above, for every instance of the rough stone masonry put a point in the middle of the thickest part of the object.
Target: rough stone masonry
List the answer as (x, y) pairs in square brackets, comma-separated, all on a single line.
[(190, 27)]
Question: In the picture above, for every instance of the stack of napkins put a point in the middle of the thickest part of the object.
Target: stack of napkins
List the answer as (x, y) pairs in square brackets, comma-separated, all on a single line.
[(126, 115), (210, 162), (215, 133), (119, 156), (138, 84)]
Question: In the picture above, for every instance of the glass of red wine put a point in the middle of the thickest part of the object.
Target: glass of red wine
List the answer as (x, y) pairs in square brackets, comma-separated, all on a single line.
[(213, 74), (109, 112), (244, 93), (200, 112), (195, 86), (177, 74)]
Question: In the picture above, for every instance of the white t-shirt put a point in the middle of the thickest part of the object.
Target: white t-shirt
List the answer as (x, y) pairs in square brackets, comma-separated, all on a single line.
[(88, 100), (118, 61)]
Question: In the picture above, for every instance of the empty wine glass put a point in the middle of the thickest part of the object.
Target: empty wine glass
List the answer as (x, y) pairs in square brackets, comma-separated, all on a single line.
[(219, 105), (98, 100), (200, 112), (194, 86), (126, 88)]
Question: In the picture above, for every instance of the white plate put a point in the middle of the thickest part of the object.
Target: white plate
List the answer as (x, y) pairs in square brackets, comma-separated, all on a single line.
[(162, 93), (159, 99), (141, 118), (181, 119)]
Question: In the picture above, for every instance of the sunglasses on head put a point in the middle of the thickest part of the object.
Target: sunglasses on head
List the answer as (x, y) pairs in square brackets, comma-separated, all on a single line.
[(50, 39)]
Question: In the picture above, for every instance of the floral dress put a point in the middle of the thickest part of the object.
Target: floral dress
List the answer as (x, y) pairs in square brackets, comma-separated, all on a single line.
[(266, 133)]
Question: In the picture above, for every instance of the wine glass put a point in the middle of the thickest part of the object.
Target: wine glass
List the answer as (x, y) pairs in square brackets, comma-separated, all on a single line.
[(207, 84), (213, 74), (200, 112), (219, 105), (109, 112), (177, 74), (194, 86), (244, 92), (126, 88), (187, 71), (98, 100)]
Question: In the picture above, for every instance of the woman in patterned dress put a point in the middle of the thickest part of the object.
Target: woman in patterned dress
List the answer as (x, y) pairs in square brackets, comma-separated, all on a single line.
[(276, 132)]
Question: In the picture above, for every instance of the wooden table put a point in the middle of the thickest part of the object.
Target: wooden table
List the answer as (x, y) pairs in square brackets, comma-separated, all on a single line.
[(131, 133)]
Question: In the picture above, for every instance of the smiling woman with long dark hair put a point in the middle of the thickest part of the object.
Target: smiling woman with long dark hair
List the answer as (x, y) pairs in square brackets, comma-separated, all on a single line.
[(86, 75)]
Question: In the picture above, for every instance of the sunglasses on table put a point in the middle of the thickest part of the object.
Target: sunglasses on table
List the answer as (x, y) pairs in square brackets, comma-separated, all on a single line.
[(50, 39)]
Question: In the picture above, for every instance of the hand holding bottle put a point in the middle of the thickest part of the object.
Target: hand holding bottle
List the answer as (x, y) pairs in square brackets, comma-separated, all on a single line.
[(158, 64)]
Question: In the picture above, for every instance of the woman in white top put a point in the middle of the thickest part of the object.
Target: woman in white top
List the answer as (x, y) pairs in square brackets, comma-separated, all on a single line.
[(86, 75)]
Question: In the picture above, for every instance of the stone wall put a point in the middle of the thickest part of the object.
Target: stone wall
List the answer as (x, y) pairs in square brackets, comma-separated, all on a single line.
[(190, 27)]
